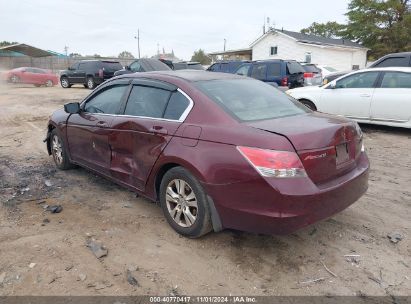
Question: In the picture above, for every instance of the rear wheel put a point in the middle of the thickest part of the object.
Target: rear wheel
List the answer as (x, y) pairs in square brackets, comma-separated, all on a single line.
[(65, 82), (309, 104), (49, 83), (90, 83), (59, 151), (184, 203)]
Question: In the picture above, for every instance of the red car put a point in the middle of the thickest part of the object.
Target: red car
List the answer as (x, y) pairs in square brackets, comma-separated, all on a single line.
[(217, 150), (34, 76)]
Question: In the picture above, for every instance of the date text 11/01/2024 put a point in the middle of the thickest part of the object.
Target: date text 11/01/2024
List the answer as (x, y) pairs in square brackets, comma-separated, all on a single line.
[(203, 299)]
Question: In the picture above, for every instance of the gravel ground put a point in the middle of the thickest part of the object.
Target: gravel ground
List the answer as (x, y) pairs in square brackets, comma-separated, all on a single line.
[(47, 254)]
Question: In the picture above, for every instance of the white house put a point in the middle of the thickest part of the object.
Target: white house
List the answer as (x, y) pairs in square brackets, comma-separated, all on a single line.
[(341, 54)]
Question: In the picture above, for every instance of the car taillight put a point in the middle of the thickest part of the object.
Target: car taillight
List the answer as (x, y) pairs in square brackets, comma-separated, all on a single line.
[(284, 81), (100, 73), (308, 75), (271, 163)]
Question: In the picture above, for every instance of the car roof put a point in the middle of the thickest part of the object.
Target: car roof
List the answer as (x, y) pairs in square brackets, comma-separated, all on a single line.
[(188, 75), (397, 69), (274, 60)]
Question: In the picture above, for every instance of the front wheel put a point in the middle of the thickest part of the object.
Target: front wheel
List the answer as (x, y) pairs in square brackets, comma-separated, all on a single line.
[(308, 104), (59, 152), (90, 83), (184, 203), (65, 82)]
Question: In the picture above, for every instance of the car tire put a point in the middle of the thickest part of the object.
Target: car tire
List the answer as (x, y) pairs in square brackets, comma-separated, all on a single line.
[(84, 85), (14, 79), (90, 83), (65, 83), (309, 104), (49, 83), (184, 203), (59, 151)]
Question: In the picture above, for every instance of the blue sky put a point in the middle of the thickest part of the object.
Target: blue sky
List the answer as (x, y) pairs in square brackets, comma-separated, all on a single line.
[(108, 27)]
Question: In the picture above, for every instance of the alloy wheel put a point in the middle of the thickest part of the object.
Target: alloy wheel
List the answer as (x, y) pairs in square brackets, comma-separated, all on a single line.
[(64, 83), (181, 203), (90, 83), (57, 149), (14, 79)]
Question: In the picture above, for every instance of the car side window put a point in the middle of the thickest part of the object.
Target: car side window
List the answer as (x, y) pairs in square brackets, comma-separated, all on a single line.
[(274, 69), (224, 67), (147, 102), (243, 70), (135, 66), (176, 106), (81, 66), (359, 80), (74, 66), (213, 68), (393, 62), (259, 71), (106, 101), (396, 80)]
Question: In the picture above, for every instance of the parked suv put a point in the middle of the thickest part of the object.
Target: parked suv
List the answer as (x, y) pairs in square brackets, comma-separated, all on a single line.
[(143, 65), (284, 73), (89, 73), (393, 60), (229, 66)]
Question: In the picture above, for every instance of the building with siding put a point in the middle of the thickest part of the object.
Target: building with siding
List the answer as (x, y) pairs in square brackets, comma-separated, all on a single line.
[(342, 54)]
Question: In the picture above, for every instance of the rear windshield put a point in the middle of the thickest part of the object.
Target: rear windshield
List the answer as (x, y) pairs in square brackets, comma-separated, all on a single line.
[(249, 99), (295, 68), (112, 66), (195, 66), (330, 69), (311, 69), (157, 65)]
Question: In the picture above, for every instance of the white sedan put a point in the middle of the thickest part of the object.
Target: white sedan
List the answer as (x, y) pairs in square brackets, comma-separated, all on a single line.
[(377, 96)]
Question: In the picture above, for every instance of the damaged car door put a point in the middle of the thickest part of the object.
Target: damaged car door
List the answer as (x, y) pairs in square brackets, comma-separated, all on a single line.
[(152, 114), (88, 131)]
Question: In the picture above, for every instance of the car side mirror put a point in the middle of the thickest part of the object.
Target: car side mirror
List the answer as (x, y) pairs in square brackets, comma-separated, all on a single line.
[(72, 108), (127, 67)]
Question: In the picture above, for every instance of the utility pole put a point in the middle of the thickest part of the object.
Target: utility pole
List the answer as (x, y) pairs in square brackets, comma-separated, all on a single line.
[(138, 42), (66, 49), (225, 40)]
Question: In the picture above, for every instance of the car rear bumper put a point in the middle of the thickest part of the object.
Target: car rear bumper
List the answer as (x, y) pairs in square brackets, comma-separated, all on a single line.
[(282, 206)]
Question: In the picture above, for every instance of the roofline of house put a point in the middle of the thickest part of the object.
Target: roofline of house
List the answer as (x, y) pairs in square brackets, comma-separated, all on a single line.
[(230, 51), (314, 44)]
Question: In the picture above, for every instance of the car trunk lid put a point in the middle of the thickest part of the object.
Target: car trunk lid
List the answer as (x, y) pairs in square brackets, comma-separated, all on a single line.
[(328, 146)]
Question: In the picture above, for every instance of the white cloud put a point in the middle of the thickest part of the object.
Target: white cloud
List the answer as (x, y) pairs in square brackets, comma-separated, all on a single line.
[(108, 27)]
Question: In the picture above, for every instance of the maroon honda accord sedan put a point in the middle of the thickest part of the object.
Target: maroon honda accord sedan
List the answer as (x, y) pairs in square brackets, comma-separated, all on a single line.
[(216, 150)]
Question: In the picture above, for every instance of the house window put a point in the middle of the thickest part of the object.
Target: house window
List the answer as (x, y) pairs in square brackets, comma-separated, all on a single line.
[(273, 50), (308, 57)]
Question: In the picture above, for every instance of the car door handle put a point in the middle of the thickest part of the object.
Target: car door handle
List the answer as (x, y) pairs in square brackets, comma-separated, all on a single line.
[(101, 124), (158, 130), (365, 95)]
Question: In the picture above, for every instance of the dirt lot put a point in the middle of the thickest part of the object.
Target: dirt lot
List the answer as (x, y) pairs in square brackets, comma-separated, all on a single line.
[(46, 254)]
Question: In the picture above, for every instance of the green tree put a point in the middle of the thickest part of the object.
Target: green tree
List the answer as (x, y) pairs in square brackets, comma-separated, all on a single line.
[(6, 43), (330, 29), (125, 54), (384, 26), (201, 57)]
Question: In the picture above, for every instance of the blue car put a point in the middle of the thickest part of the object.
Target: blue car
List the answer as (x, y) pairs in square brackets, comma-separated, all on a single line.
[(229, 66), (278, 72)]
